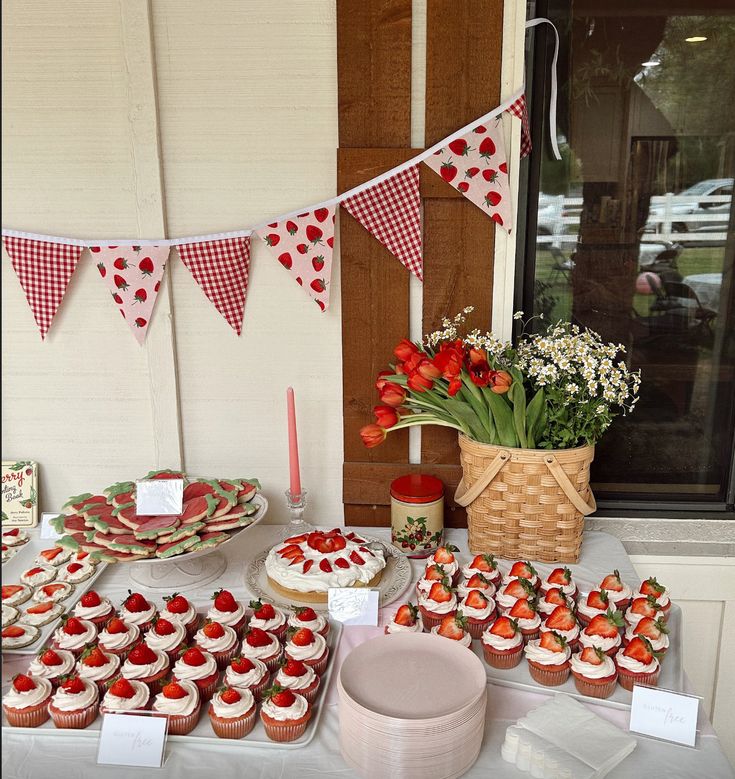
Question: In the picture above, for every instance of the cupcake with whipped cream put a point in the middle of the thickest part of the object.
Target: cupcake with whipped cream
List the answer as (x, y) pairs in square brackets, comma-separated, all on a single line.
[(136, 610), (26, 703), (180, 701), (284, 714), (512, 591), (618, 592), (227, 611), (562, 579), (479, 611), (74, 635), (167, 636), (445, 556), (52, 664), (440, 601), (454, 627), (552, 598), (407, 619), (75, 703), (179, 609), (486, 565), (527, 617), (502, 643), (594, 673), (125, 695), (295, 675), (118, 637), (94, 607), (476, 582), (603, 632), (637, 664), (660, 594), (261, 645), (98, 666), (232, 713), (309, 647), (219, 640), (522, 569), (563, 620), (146, 665), (548, 659), (654, 630), (248, 674), (199, 668), (267, 617), (306, 617)]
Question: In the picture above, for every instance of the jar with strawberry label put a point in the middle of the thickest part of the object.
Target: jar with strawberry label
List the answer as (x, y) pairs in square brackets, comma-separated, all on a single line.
[(417, 514)]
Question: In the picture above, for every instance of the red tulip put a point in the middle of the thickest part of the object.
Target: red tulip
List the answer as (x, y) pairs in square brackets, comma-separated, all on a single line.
[(455, 385), (413, 362), (405, 349), (418, 383), (501, 382), (480, 373), (382, 380), (477, 356), (449, 359), (392, 395), (428, 370), (385, 416), (373, 435)]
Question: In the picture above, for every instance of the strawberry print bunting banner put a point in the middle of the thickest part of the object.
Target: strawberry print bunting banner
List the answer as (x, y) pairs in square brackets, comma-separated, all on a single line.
[(519, 109), (391, 212), (44, 270), (303, 244), (133, 275), (221, 269), (475, 165)]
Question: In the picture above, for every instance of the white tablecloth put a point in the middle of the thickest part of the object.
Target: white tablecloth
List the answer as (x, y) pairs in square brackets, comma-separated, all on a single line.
[(63, 758)]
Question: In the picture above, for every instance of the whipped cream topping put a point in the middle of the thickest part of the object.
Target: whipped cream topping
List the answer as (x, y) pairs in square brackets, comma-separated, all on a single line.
[(11, 538), (589, 611), (438, 608), (635, 666), (119, 640), (78, 575), (45, 617), (61, 557), (505, 602), (507, 579), (10, 614), (137, 617), (313, 651), (231, 710), (615, 596), (657, 644), (193, 672), (61, 592), (466, 639), (302, 682), (44, 576), (543, 656), (273, 647), (500, 643), (546, 608), (570, 635), (101, 672), (185, 618), (592, 671), (138, 701), (423, 585), (132, 671), (315, 625), (221, 644), (19, 596), (606, 643), (632, 618), (66, 640), (68, 701), (91, 612), (417, 627), (24, 700), (528, 623), (662, 599), (269, 624), (284, 713), (463, 589), (168, 642), (494, 577), (251, 678), (180, 707), (38, 669), (226, 617), (480, 614)]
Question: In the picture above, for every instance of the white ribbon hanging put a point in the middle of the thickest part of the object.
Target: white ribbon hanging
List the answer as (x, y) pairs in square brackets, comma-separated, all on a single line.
[(552, 97)]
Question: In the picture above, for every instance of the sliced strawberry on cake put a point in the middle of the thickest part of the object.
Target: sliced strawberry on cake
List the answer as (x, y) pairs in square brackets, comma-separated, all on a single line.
[(637, 664), (657, 591), (524, 612), (655, 630), (478, 610), (454, 627), (502, 643), (437, 603), (552, 598), (512, 590), (228, 611), (433, 573), (445, 556), (485, 564), (618, 592), (563, 580), (563, 621), (643, 606), (604, 632), (522, 569)]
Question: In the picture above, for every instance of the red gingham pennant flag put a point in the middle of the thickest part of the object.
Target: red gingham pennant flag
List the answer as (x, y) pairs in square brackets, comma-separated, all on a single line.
[(391, 212), (44, 270), (520, 109), (221, 269)]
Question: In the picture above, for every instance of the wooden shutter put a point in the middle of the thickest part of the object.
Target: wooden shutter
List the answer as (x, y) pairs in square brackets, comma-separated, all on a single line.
[(464, 43)]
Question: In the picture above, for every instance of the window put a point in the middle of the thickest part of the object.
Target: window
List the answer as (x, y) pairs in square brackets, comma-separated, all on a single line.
[(631, 233)]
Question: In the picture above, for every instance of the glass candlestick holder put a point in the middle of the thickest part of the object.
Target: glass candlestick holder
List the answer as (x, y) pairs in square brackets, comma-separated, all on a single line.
[(296, 505)]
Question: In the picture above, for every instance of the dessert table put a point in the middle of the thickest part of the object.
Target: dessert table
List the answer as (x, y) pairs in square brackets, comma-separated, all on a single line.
[(31, 755)]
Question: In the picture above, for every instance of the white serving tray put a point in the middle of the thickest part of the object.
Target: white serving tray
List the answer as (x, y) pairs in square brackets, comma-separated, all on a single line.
[(23, 560), (203, 733), (671, 677)]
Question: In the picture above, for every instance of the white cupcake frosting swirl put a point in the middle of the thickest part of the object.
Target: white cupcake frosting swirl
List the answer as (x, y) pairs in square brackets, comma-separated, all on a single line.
[(133, 671), (606, 643), (570, 635), (193, 672), (311, 651), (657, 644), (505, 602), (662, 599), (543, 656), (589, 611), (269, 624), (284, 713), (66, 701), (480, 614), (494, 577), (296, 682), (250, 678), (438, 608), (232, 710), (119, 640), (181, 707), (501, 643), (635, 666), (466, 639), (39, 670), (592, 671), (137, 617), (98, 673), (226, 617), (273, 647), (567, 589), (449, 568), (535, 581), (69, 641), (168, 642), (423, 585), (315, 625), (615, 596), (24, 700), (528, 623), (221, 644), (546, 608), (417, 627), (90, 612), (184, 618), (138, 701)]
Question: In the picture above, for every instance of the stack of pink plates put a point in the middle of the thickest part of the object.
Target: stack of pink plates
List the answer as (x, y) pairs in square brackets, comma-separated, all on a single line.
[(411, 705)]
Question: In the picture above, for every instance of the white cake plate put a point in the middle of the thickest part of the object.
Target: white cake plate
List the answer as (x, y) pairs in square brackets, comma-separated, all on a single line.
[(191, 569)]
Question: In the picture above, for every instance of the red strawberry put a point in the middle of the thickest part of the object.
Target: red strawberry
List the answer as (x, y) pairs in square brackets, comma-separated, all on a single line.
[(13, 631), (325, 566), (136, 603), (314, 234), (640, 649), (273, 224), (463, 186), (477, 582), (279, 696), (121, 688), (173, 691), (307, 566), (302, 248), (487, 148), (90, 599), (290, 551), (213, 630), (121, 263), (453, 626), (652, 587), (470, 173), (302, 637), (490, 175), (94, 658), (230, 696), (291, 227), (49, 657), (140, 296), (120, 282), (440, 592), (142, 654), (117, 299), (445, 554), (73, 685), (598, 600), (224, 601), (102, 269), (74, 627), (285, 260), (49, 554), (503, 167), (74, 567), (241, 665), (257, 637), (321, 304), (592, 655), (305, 613), (356, 558), (140, 322), (460, 146), (505, 627), (272, 239), (475, 599), (605, 624), (523, 608), (321, 214), (612, 582), (519, 588), (294, 668), (560, 576), (484, 562), (561, 618), (49, 590), (448, 170), (406, 615), (339, 543), (647, 606), (318, 285), (192, 656), (340, 562), (116, 625), (146, 266), (163, 627), (177, 604), (262, 610), (317, 263), (296, 539), (23, 683), (522, 569), (34, 571), (552, 641), (492, 198), (652, 629)]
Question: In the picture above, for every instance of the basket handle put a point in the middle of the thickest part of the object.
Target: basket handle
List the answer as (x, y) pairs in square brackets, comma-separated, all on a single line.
[(568, 488), (465, 497)]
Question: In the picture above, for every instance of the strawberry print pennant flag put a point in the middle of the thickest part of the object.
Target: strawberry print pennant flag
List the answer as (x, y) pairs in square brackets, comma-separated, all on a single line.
[(391, 212), (519, 109), (303, 244), (476, 166), (221, 269), (44, 270), (133, 274)]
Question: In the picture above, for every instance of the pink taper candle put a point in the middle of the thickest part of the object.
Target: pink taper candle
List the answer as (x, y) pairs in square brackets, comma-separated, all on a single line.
[(293, 445)]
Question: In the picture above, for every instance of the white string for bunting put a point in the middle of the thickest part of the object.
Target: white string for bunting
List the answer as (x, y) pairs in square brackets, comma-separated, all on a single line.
[(127, 241), (552, 95)]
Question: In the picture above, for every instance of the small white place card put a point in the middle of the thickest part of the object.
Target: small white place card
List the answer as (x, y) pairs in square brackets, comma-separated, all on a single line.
[(46, 531), (671, 716), (159, 496), (132, 739), (353, 605)]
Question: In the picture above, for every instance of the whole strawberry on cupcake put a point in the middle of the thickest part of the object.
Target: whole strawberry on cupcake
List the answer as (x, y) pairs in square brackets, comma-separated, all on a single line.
[(502, 643), (407, 619), (125, 695), (118, 637), (432, 573), (445, 556), (227, 611), (476, 582), (180, 701), (284, 714), (604, 632), (551, 599), (52, 664), (440, 601), (26, 702), (74, 635), (146, 665), (454, 627), (654, 630), (618, 592), (548, 659), (179, 609), (306, 617), (219, 640), (643, 606), (637, 664), (75, 703), (167, 636), (95, 608), (512, 591), (562, 579), (522, 569), (232, 712), (136, 610), (563, 621), (478, 610), (486, 565), (660, 594), (593, 604), (594, 672), (98, 666), (297, 676), (197, 667), (268, 617), (309, 647), (261, 645), (524, 612), (247, 673)]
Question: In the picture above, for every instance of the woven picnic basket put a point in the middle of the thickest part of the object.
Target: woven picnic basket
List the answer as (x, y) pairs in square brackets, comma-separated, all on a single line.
[(525, 504)]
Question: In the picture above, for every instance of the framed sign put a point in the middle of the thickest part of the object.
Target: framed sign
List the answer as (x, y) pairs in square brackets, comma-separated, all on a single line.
[(20, 493)]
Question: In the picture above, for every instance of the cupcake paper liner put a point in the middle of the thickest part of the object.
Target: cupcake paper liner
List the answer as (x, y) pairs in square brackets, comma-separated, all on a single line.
[(271, 663), (30, 717), (432, 620), (232, 727), (183, 724), (503, 660), (627, 680), (100, 622), (77, 720), (549, 676), (530, 634), (595, 688), (155, 682), (289, 730), (223, 658), (320, 664), (477, 627)]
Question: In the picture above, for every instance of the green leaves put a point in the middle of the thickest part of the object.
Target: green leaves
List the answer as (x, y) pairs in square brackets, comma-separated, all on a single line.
[(503, 418)]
